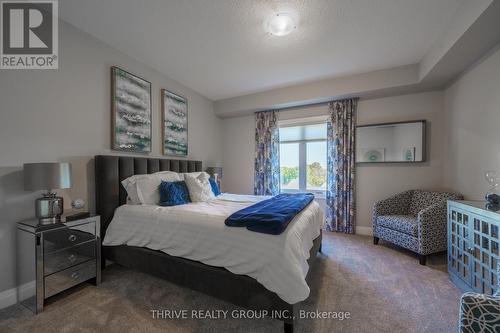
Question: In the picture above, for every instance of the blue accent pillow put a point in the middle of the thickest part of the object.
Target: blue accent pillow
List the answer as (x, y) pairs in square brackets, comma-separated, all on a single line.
[(215, 187), (174, 193)]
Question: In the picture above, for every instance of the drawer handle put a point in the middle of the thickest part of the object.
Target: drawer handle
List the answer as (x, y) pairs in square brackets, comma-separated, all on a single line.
[(75, 275), (71, 258), (72, 238)]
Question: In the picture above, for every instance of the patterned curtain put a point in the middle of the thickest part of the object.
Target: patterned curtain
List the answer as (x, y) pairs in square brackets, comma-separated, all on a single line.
[(267, 154), (341, 143)]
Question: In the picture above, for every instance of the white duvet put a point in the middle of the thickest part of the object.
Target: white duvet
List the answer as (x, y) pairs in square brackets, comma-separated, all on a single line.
[(197, 231)]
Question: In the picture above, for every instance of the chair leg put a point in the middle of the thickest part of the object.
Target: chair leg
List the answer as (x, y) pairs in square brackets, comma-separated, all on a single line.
[(375, 240), (422, 258)]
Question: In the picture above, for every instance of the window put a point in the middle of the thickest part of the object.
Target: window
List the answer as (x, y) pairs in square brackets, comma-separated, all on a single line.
[(303, 158)]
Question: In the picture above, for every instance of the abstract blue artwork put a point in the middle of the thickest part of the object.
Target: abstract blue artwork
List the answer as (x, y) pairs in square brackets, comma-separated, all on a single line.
[(131, 109), (174, 124)]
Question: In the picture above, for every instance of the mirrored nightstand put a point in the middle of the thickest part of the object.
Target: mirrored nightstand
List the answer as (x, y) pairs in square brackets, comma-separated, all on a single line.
[(52, 258)]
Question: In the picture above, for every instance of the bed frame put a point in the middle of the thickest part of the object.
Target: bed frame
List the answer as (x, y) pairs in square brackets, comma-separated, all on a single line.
[(218, 282)]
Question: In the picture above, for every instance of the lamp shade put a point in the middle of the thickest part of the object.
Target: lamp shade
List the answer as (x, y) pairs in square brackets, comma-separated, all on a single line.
[(47, 176)]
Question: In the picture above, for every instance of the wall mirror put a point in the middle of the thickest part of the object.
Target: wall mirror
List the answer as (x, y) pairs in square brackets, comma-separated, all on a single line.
[(401, 142)]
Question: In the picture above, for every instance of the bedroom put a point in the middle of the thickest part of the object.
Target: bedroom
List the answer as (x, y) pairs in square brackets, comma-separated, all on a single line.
[(206, 75)]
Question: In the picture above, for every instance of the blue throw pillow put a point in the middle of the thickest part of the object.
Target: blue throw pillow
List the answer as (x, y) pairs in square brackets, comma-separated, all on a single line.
[(215, 187), (174, 193)]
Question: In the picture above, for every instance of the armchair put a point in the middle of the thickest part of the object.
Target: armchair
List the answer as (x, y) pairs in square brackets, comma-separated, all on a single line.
[(480, 312), (414, 219)]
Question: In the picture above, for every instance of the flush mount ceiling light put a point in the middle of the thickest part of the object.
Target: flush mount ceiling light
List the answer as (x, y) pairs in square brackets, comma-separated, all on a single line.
[(281, 24)]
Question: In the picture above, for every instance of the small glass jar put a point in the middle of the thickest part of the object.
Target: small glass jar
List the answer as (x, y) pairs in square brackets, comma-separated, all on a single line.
[(493, 195)]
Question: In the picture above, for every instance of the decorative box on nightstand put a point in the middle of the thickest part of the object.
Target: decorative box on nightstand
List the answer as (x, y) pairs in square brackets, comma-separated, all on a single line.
[(52, 258)]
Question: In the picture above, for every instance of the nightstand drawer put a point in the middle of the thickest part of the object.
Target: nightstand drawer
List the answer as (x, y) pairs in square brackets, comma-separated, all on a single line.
[(67, 237), (56, 261), (70, 277)]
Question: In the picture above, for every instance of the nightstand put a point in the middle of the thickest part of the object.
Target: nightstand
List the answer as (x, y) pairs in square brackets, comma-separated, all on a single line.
[(52, 258)]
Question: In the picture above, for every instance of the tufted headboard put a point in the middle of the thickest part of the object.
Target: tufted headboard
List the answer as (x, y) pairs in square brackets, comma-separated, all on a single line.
[(111, 170)]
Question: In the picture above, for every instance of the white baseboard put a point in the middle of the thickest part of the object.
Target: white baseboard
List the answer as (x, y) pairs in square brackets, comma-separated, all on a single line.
[(14, 295), (365, 231)]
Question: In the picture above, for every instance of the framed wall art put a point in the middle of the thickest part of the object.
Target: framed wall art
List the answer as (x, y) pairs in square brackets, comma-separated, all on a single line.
[(174, 113), (131, 112)]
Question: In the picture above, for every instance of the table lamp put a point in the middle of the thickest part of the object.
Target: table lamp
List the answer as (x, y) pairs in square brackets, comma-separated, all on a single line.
[(47, 176)]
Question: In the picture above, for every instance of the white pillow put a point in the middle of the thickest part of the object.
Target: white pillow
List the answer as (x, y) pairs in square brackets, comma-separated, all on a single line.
[(130, 187), (195, 174), (199, 187), (143, 189), (169, 176), (129, 201)]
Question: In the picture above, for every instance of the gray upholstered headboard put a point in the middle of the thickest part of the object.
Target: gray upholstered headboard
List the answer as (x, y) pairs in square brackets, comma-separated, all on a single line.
[(111, 170)]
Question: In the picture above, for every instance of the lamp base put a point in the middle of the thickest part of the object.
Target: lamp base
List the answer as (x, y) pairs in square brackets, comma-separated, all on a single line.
[(49, 208), (49, 220)]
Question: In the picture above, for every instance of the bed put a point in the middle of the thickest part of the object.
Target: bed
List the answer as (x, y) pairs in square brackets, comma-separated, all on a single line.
[(195, 266)]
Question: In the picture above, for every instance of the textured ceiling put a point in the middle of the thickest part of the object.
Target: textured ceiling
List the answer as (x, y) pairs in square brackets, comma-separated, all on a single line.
[(221, 49)]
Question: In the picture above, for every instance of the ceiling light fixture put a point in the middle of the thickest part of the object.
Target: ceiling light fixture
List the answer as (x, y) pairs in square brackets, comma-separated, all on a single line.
[(281, 24)]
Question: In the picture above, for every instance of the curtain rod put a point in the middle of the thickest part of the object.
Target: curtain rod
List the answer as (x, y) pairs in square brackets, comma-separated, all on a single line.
[(286, 108)]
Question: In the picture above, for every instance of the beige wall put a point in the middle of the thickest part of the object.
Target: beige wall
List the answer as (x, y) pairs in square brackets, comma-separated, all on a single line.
[(64, 114), (374, 182), (238, 154), (472, 133)]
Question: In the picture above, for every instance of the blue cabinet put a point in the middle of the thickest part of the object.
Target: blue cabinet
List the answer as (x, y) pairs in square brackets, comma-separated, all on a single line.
[(473, 245)]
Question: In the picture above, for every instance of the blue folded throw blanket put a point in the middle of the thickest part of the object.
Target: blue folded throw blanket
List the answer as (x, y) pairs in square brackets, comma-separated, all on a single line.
[(271, 216)]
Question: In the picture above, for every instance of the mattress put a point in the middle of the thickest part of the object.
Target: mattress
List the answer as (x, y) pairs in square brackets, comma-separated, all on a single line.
[(196, 231)]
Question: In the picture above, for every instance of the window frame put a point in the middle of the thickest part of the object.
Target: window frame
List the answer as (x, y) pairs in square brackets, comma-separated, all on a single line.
[(320, 194)]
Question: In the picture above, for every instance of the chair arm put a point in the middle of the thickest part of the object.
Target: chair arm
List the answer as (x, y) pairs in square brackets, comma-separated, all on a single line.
[(432, 225), (394, 205), (479, 313), (433, 215)]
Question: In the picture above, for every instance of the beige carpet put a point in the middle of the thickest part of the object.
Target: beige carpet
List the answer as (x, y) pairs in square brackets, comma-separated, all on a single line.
[(384, 289)]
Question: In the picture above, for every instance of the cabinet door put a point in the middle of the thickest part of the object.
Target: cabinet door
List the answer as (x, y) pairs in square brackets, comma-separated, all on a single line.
[(459, 244), (485, 254)]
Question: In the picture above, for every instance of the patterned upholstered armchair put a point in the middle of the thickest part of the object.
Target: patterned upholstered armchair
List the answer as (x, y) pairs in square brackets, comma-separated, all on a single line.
[(415, 220), (480, 312)]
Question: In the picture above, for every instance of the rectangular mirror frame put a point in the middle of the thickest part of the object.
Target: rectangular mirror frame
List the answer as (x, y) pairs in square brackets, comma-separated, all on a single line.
[(424, 141)]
